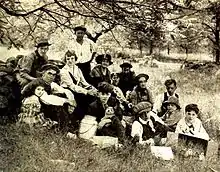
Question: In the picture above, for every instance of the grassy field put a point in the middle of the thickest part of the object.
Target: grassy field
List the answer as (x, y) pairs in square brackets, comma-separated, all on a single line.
[(22, 149)]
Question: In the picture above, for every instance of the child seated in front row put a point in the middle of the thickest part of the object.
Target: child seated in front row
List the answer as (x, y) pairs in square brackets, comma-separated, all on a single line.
[(191, 124)]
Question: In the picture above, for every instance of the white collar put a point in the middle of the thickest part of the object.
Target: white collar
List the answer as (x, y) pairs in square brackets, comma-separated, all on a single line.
[(142, 121), (174, 94)]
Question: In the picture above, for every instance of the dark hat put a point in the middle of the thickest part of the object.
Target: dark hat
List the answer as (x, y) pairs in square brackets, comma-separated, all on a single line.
[(172, 100), (50, 66), (126, 64), (140, 76), (80, 28), (105, 87), (142, 107), (102, 57), (42, 43)]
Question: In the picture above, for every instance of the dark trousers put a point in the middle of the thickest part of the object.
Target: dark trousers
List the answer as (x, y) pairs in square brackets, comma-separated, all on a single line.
[(81, 109), (86, 69), (115, 129), (57, 113)]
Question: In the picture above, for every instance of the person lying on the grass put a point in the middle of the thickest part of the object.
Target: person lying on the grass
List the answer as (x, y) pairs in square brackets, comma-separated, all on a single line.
[(73, 79), (141, 93), (171, 87), (191, 124), (57, 103), (126, 78), (101, 73), (107, 98), (31, 112)]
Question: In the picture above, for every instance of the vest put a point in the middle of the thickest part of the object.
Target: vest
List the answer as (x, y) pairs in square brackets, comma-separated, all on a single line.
[(163, 109)]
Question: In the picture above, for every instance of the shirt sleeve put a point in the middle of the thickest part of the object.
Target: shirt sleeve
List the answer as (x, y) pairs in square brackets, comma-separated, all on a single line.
[(52, 100), (157, 104), (66, 81), (137, 130), (202, 132), (179, 128), (58, 89), (26, 63), (151, 100)]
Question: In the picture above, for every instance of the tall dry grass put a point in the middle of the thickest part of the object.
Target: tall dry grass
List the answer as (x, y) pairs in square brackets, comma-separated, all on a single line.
[(28, 151)]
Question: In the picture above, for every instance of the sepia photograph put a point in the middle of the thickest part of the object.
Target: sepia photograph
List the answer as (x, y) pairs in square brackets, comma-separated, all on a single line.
[(109, 85)]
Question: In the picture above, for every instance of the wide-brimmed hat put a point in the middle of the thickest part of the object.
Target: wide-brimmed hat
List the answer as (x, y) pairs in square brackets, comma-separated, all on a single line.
[(126, 64), (172, 100), (50, 66), (102, 57), (142, 107), (80, 28), (42, 43), (140, 76)]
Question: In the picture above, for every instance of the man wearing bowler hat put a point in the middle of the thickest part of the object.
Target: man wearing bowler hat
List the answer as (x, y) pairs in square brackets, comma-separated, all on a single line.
[(29, 66), (84, 49), (126, 78)]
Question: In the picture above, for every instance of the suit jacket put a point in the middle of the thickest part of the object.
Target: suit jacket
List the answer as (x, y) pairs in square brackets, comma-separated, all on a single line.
[(73, 79), (97, 76), (138, 95)]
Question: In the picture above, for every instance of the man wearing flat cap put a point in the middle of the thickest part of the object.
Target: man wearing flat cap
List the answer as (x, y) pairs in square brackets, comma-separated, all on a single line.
[(127, 78), (141, 92), (29, 66), (84, 49)]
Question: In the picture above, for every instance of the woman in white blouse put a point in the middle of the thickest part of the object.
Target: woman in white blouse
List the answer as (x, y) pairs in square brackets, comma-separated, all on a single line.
[(72, 78)]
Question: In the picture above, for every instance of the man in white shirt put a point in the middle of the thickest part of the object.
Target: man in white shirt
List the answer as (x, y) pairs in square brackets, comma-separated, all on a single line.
[(171, 87), (84, 49)]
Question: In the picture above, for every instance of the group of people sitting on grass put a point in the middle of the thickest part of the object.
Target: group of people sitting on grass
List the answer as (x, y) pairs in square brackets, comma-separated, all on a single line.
[(76, 98)]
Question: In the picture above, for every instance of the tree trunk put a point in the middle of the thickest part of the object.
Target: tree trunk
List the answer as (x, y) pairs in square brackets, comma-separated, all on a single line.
[(151, 47), (217, 51), (168, 49), (141, 49)]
